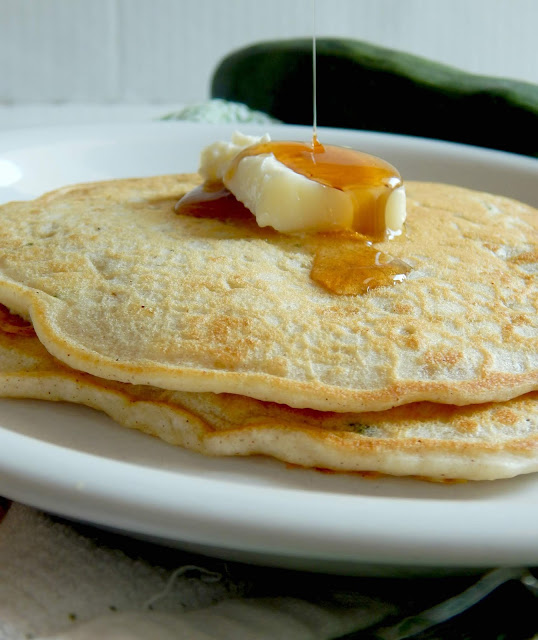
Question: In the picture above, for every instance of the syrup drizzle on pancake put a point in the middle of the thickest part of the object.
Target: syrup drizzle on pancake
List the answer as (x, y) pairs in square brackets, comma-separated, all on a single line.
[(344, 262), (368, 179)]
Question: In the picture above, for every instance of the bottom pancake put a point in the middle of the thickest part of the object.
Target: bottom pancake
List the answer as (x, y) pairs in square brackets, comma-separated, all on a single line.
[(476, 442)]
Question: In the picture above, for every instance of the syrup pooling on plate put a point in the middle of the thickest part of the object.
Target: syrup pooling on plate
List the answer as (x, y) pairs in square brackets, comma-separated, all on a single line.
[(368, 179), (345, 262)]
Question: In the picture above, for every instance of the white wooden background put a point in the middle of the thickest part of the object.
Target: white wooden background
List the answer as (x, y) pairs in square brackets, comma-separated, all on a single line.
[(163, 51)]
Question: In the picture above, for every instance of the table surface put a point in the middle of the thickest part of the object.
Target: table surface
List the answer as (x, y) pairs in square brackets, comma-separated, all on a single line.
[(34, 115)]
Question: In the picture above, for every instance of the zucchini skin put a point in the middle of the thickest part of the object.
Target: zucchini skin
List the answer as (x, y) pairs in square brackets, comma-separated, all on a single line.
[(363, 86)]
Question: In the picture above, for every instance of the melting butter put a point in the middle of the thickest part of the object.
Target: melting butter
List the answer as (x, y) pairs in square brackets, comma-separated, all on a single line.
[(339, 200), (296, 187)]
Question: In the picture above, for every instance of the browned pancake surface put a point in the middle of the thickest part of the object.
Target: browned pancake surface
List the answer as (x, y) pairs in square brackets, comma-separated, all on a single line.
[(441, 441), (120, 286)]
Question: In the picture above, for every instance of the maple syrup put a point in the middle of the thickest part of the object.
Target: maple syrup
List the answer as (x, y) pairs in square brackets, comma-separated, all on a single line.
[(347, 263), (368, 180), (212, 200), (344, 262), (14, 324)]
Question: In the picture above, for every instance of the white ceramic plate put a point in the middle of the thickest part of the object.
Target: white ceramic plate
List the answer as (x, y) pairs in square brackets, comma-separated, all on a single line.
[(77, 463)]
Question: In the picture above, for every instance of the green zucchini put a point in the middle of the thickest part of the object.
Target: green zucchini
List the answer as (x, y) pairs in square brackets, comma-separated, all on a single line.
[(362, 86)]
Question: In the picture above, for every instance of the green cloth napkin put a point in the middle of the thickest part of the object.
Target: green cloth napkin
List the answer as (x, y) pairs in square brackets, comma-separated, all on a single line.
[(220, 112), (66, 581)]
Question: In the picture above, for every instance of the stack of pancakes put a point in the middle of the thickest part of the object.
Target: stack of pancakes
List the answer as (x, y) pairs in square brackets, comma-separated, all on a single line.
[(211, 334)]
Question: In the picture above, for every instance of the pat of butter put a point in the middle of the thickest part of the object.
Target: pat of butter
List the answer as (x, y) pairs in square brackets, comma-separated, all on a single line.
[(283, 199), (215, 160)]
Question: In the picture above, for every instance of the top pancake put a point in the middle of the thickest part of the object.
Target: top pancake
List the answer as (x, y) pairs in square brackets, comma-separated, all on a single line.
[(118, 285)]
